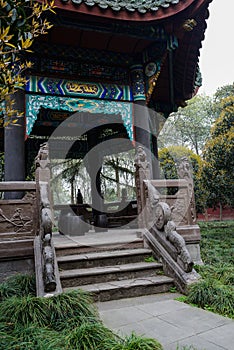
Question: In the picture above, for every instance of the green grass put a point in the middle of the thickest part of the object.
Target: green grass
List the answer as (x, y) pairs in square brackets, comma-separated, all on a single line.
[(70, 321), (18, 285), (150, 259), (215, 291), (67, 321)]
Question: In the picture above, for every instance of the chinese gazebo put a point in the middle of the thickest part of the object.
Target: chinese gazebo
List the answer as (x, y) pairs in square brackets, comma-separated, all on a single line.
[(110, 69), (106, 58)]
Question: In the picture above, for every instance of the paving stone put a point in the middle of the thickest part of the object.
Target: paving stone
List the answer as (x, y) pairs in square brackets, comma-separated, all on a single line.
[(199, 320), (195, 342), (222, 336), (172, 323), (145, 300), (118, 318), (159, 308)]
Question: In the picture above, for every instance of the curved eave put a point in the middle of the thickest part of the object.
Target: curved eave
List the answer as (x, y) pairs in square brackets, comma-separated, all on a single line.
[(185, 63), (125, 15)]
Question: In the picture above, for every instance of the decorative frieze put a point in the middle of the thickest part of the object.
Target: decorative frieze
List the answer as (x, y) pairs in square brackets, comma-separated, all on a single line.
[(74, 88), (35, 102)]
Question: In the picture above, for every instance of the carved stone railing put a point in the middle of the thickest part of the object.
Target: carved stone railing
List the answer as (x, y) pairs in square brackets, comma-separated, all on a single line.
[(46, 268), (169, 223), (18, 224), (168, 245), (18, 219)]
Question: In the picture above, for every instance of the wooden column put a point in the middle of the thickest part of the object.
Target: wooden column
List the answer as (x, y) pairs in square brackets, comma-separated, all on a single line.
[(14, 147), (154, 128), (94, 168), (141, 114)]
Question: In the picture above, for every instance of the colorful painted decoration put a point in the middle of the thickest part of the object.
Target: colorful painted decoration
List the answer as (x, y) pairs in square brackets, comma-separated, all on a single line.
[(150, 69), (138, 82), (35, 102), (63, 87)]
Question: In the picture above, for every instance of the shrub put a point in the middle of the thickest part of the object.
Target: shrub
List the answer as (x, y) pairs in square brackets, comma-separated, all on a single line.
[(71, 308), (210, 294), (25, 311), (89, 336), (133, 342), (18, 285), (63, 322)]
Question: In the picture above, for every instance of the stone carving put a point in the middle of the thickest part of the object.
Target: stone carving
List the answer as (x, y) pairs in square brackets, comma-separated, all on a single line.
[(153, 195), (183, 169), (18, 222), (48, 255), (180, 207), (47, 252), (29, 197), (184, 258), (142, 173), (167, 233), (185, 172), (42, 159), (141, 161)]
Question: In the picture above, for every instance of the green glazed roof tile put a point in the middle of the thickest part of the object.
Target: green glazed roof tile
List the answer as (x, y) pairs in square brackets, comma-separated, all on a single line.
[(141, 6)]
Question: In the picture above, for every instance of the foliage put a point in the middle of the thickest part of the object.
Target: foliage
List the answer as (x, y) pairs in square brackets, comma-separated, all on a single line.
[(134, 342), (217, 173), (65, 321), (67, 171), (217, 243), (215, 291), (89, 336), (118, 173), (18, 285), (169, 158), (214, 296), (21, 22), (190, 126), (223, 92)]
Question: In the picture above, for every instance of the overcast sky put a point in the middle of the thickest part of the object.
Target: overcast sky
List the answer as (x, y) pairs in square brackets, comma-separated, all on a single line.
[(217, 52)]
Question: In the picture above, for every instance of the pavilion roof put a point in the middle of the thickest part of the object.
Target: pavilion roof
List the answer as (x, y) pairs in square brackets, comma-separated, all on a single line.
[(113, 25), (141, 6), (133, 10)]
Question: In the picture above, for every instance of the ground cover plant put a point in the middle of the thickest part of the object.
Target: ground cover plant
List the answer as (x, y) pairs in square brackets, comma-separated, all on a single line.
[(66, 321), (215, 291)]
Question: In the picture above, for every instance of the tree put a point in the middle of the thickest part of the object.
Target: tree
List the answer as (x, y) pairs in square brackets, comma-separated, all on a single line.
[(217, 173), (169, 157), (21, 22), (65, 176), (223, 92), (190, 126), (118, 173)]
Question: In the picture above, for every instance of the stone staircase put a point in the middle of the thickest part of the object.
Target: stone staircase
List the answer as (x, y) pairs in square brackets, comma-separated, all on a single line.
[(111, 270)]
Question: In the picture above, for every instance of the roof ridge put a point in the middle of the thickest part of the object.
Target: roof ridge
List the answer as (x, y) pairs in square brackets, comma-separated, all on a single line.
[(142, 6)]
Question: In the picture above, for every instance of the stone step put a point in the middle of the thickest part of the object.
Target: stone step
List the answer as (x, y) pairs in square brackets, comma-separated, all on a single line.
[(105, 258), (76, 248), (14, 249), (128, 288), (78, 277)]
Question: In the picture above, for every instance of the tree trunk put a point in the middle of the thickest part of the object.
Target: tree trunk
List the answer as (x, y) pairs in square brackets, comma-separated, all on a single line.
[(117, 178), (73, 190), (220, 212)]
